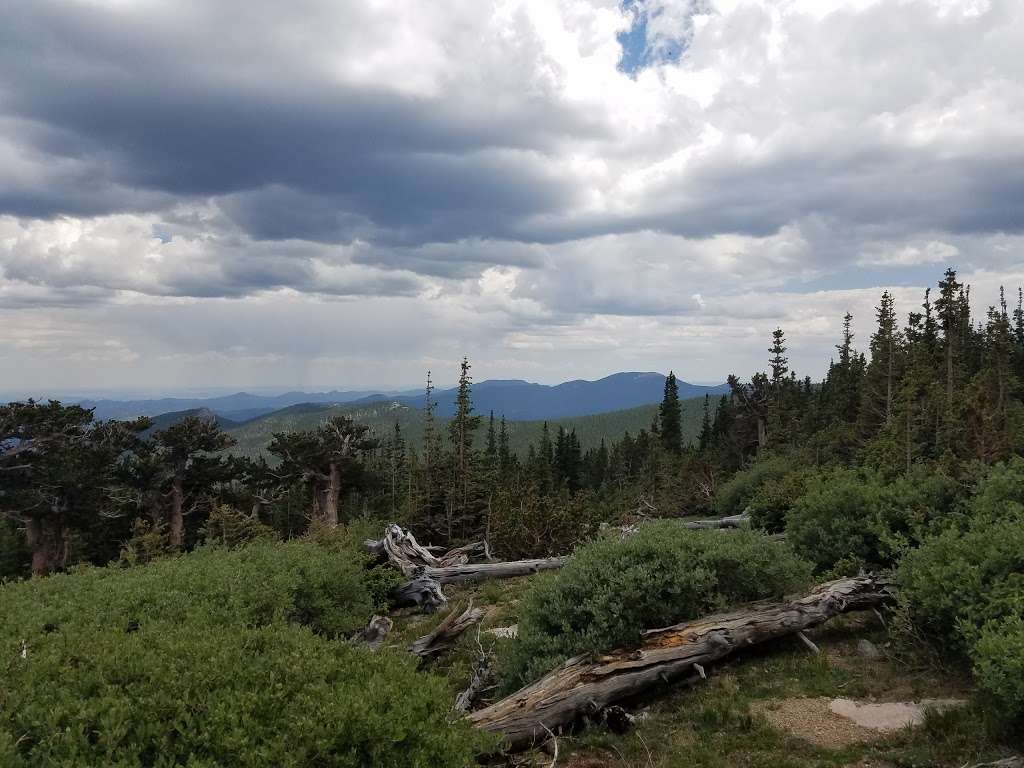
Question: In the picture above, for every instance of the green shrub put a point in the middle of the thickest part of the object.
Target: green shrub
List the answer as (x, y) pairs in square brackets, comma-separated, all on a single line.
[(330, 592), (773, 500), (231, 527), (216, 658), (999, 664), (171, 694), (733, 496), (1000, 492), (612, 589), (959, 580), (832, 521), (851, 518)]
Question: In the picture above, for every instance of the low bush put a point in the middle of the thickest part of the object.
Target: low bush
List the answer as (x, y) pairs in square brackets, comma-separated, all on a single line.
[(832, 521), (773, 500), (733, 496), (216, 658), (998, 658), (613, 589), (330, 592), (171, 694), (850, 519)]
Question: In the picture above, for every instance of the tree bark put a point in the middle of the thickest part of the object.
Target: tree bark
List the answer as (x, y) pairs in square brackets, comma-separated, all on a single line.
[(47, 538), (428, 572), (332, 496), (584, 685), (176, 516), (447, 633)]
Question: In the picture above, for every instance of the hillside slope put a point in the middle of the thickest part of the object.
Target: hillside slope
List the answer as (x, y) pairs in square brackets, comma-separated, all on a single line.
[(253, 436)]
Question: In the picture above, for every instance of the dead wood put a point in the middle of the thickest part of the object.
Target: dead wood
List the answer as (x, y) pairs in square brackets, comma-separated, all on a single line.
[(585, 685), (447, 633)]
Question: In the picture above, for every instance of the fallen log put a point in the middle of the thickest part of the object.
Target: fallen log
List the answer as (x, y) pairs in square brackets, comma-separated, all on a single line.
[(447, 633), (585, 685), (732, 521), (428, 572), (457, 574), (421, 590), (1014, 761)]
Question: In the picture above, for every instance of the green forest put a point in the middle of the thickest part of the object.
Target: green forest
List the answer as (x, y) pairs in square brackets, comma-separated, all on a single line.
[(195, 596)]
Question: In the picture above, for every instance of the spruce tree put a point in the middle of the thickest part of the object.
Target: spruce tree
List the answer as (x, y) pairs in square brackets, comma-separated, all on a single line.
[(670, 416), (704, 439), (779, 362), (504, 452), (461, 430)]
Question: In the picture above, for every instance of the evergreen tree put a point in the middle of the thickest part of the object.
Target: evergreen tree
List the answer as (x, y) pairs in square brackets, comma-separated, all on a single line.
[(504, 453), (670, 416), (58, 467), (185, 453), (461, 430), (491, 449), (705, 437), (778, 362), (328, 459), (883, 373)]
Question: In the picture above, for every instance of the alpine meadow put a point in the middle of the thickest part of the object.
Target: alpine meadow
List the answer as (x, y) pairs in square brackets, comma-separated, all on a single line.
[(562, 383)]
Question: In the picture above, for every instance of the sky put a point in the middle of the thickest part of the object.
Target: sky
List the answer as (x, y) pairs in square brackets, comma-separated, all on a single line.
[(346, 193)]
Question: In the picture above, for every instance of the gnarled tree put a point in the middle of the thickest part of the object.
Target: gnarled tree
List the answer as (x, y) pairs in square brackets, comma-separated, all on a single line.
[(328, 459)]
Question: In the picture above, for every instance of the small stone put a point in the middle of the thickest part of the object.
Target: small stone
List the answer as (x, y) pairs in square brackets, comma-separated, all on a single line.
[(868, 650)]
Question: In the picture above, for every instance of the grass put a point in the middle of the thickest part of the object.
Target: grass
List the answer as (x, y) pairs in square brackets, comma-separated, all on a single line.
[(721, 723)]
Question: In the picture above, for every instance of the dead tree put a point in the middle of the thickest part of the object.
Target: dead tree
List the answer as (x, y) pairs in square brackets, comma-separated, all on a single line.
[(733, 521), (447, 633), (585, 685), (427, 572)]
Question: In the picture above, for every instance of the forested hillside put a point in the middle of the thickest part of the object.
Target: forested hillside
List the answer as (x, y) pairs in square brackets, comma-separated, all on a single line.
[(896, 484), (253, 437)]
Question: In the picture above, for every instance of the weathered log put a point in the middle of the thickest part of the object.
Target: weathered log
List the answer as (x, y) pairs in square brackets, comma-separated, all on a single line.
[(733, 521), (447, 633), (427, 572), (481, 682), (585, 685), (1014, 761), (376, 631), (422, 590), (457, 574)]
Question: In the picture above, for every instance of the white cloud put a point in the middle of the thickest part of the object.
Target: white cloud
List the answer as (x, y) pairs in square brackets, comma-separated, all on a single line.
[(209, 191)]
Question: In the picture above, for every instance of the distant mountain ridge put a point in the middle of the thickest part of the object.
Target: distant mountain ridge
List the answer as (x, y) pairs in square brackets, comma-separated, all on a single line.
[(240, 406), (514, 398), (521, 400)]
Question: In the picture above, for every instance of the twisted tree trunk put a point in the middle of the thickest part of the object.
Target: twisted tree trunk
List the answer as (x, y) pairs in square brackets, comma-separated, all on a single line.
[(427, 572), (584, 685)]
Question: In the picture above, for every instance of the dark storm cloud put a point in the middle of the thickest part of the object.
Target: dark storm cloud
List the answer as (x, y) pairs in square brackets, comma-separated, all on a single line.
[(268, 158), (128, 107)]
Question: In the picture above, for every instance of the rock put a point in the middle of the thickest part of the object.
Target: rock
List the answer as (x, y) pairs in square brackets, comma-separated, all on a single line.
[(890, 716), (868, 650), (508, 632)]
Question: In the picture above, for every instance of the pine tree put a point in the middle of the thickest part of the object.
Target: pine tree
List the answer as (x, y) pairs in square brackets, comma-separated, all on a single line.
[(504, 453), (704, 439), (461, 430), (491, 449), (779, 362), (670, 416), (883, 373)]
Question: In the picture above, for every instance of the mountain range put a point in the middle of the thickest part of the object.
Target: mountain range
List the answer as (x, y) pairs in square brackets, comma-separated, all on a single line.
[(513, 398)]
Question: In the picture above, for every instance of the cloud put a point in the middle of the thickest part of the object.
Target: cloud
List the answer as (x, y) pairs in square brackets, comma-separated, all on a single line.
[(488, 172)]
